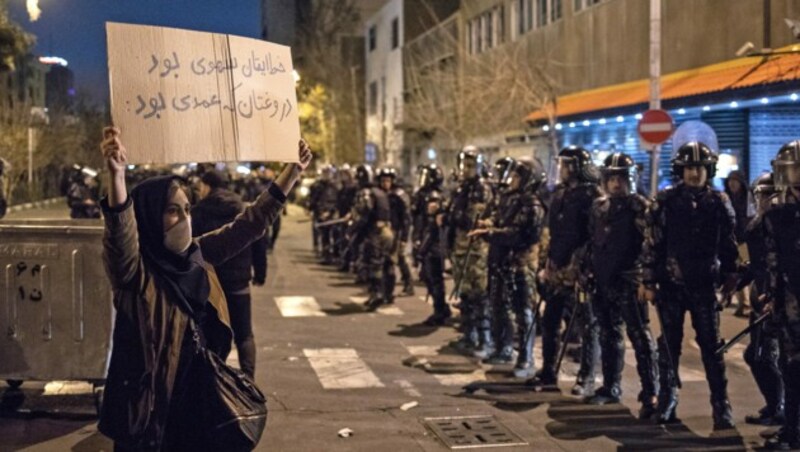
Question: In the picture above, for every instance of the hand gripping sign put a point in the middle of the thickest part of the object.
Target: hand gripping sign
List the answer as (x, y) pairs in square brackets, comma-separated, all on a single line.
[(186, 96)]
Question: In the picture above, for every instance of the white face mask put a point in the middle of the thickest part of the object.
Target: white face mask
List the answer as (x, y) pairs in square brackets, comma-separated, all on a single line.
[(178, 238)]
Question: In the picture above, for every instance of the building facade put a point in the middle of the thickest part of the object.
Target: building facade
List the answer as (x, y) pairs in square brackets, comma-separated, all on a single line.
[(598, 54)]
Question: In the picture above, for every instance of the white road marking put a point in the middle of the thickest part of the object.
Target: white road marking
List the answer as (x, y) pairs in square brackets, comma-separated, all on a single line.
[(385, 309), (341, 368), (299, 306), (408, 388), (67, 388)]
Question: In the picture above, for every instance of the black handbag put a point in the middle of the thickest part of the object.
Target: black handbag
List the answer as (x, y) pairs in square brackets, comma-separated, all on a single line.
[(234, 409)]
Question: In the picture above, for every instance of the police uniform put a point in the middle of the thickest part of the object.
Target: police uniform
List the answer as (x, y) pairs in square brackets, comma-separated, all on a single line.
[(689, 247), (514, 230), (617, 227), (371, 227)]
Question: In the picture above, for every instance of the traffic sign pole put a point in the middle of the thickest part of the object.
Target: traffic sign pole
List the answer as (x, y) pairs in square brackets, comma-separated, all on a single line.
[(655, 86)]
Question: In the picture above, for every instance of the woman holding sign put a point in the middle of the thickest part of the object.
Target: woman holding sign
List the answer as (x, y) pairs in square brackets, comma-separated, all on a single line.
[(164, 284)]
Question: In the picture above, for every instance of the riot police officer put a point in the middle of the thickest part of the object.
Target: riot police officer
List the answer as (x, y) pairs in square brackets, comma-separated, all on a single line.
[(322, 202), (782, 225), (468, 255), (512, 231), (430, 254), (348, 188), (617, 227), (763, 352), (689, 247), (371, 228), (400, 206), (568, 220), (429, 179)]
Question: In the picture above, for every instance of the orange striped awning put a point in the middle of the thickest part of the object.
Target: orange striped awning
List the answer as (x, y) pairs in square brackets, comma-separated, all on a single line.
[(732, 74)]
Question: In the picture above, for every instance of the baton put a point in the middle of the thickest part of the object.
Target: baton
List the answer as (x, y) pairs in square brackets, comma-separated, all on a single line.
[(564, 338), (328, 223), (739, 336)]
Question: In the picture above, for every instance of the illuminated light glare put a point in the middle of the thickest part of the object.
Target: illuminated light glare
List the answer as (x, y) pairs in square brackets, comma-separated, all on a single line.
[(793, 96), (620, 118), (706, 108), (53, 60), (546, 128), (602, 121), (764, 100), (33, 9), (241, 169), (681, 111), (638, 116), (558, 126), (586, 123), (733, 104), (572, 124), (431, 154)]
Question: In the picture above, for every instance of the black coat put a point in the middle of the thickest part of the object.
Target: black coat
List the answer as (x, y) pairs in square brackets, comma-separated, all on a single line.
[(215, 210)]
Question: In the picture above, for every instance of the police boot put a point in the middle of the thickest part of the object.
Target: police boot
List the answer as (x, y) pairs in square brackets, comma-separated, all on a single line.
[(785, 439), (437, 318), (666, 411), (723, 417), (584, 387), (525, 325), (544, 377), (504, 355), (606, 395), (767, 416), (408, 289), (648, 408), (487, 347)]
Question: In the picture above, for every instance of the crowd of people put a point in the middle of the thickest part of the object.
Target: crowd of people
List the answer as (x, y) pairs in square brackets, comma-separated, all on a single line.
[(580, 261)]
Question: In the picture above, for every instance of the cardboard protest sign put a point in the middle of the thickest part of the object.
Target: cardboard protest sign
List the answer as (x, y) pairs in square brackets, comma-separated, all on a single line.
[(186, 96)]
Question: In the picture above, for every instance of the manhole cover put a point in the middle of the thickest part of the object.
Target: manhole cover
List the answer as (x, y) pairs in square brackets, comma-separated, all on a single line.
[(471, 432)]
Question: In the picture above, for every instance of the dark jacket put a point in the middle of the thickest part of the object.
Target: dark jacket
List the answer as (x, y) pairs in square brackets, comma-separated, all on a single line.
[(617, 227), (77, 196), (150, 329), (741, 204), (220, 207), (689, 238)]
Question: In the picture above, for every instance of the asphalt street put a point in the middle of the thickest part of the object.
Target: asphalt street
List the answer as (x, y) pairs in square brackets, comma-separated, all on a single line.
[(328, 365)]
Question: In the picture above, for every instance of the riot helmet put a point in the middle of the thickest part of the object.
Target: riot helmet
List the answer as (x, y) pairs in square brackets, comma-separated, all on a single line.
[(530, 171), (387, 173), (619, 164), (502, 171), (576, 162), (328, 173), (763, 189), (430, 176), (470, 163), (694, 154), (364, 175), (786, 167)]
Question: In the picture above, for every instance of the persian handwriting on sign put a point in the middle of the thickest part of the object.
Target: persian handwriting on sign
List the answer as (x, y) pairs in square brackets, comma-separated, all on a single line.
[(245, 107), (208, 66)]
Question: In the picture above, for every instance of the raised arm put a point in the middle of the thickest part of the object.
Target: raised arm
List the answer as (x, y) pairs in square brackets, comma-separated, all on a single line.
[(120, 239)]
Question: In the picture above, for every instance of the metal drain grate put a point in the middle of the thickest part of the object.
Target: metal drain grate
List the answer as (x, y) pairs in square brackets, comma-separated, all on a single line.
[(472, 432)]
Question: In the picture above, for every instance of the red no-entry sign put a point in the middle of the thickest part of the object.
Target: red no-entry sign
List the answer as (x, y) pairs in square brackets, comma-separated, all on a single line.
[(655, 126)]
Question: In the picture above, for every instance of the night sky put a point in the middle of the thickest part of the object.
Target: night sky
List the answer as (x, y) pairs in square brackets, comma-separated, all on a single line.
[(75, 29)]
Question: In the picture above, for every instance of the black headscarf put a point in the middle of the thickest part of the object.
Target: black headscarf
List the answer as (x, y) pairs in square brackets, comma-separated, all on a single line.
[(182, 276)]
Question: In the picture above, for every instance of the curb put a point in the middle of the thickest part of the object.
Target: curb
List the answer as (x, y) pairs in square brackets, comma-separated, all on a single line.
[(34, 205)]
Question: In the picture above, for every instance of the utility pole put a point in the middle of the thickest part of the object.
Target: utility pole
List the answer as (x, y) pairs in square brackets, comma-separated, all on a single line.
[(655, 84)]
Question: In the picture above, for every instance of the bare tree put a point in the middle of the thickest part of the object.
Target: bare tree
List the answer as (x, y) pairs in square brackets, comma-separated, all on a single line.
[(455, 96), (330, 49)]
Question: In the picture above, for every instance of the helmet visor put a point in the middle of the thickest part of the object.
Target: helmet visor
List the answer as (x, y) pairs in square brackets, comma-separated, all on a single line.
[(787, 174)]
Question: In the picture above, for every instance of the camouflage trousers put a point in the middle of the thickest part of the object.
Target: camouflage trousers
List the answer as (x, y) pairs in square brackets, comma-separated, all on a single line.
[(377, 262)]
